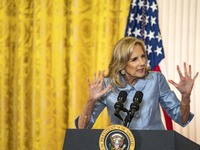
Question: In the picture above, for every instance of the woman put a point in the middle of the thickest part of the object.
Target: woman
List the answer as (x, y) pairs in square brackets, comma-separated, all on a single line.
[(128, 72)]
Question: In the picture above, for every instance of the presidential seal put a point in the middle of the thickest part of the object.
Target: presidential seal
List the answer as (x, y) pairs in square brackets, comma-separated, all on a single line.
[(116, 137)]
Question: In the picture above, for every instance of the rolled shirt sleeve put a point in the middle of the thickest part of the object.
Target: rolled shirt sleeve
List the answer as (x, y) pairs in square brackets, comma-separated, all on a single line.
[(98, 108)]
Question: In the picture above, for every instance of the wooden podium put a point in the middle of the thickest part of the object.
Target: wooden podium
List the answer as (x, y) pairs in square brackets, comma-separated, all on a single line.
[(88, 139)]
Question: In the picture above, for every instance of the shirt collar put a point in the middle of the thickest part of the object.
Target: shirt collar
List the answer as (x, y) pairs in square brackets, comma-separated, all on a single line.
[(138, 86)]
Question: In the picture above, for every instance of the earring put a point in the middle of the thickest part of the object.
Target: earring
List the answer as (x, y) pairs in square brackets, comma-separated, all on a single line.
[(123, 72)]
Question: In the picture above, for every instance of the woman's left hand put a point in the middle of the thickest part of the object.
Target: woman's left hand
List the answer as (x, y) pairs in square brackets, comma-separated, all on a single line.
[(186, 82)]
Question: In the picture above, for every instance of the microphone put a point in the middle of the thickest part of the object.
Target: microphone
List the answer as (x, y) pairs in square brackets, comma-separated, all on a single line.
[(136, 101), (134, 107), (119, 104)]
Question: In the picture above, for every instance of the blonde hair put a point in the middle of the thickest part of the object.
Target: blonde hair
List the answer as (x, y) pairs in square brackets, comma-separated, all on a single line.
[(120, 56)]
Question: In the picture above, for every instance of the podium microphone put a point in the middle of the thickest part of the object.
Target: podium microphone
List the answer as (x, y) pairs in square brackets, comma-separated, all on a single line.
[(119, 104), (134, 107)]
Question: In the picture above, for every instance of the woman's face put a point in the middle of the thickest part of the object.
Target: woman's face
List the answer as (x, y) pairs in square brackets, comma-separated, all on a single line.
[(135, 67)]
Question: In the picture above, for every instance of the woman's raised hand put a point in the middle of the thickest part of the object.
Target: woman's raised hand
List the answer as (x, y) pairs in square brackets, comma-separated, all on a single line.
[(96, 90), (186, 82)]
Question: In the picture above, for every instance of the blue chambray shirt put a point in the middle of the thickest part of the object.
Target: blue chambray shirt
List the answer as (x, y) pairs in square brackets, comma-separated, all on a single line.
[(156, 92)]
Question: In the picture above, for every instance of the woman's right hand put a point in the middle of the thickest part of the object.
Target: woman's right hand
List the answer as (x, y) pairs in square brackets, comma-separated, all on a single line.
[(96, 90)]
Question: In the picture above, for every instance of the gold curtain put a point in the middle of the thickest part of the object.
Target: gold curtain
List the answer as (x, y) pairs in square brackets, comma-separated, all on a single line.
[(48, 48)]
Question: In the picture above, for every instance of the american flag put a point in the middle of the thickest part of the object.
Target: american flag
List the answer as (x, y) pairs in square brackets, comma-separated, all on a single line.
[(142, 23)]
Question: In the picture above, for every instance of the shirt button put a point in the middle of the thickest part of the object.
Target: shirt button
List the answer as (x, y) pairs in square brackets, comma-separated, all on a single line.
[(137, 115)]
